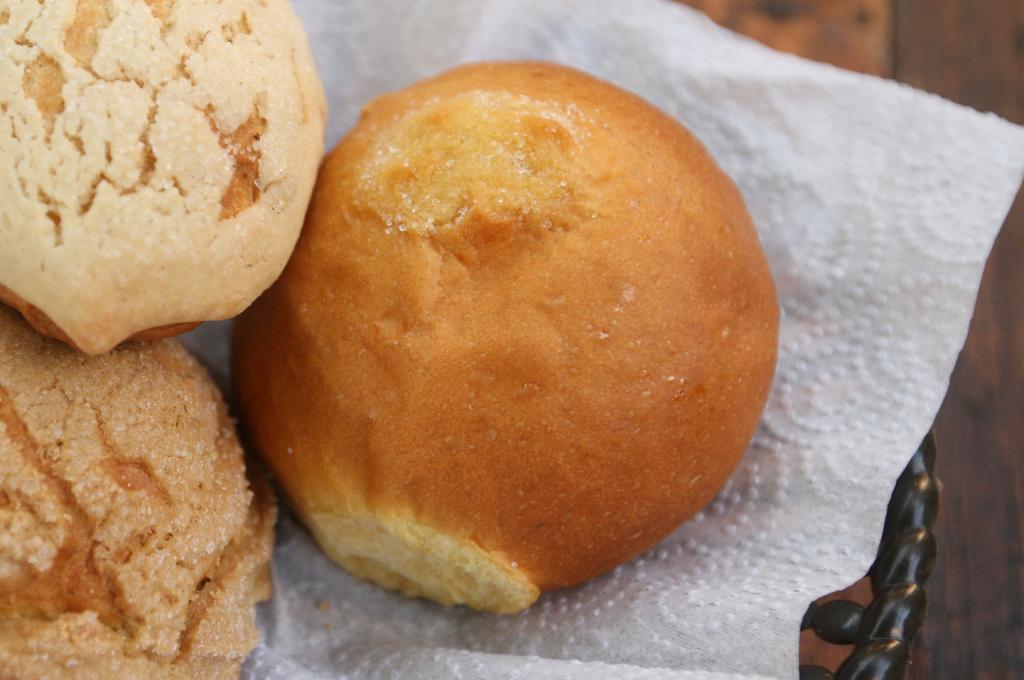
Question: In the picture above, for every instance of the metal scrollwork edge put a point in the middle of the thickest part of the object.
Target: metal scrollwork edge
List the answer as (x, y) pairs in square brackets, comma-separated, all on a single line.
[(883, 631)]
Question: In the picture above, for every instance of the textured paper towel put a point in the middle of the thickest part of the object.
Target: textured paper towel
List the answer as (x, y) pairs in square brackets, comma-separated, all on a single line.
[(877, 206)]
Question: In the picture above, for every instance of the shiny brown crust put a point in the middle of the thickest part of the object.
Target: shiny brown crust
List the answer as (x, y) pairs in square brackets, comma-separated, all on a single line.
[(43, 324), (562, 377)]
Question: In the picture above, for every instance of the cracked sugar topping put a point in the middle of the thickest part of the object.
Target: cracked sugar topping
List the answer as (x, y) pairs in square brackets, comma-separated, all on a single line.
[(125, 513), (174, 140)]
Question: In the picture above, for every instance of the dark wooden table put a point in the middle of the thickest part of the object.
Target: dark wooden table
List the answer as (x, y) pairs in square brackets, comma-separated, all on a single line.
[(970, 51)]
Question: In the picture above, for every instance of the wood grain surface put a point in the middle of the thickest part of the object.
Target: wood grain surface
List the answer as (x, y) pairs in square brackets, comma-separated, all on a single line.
[(854, 34), (970, 51), (973, 52)]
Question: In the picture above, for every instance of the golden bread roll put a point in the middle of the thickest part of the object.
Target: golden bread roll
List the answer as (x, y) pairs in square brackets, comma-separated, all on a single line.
[(158, 160), (132, 544), (527, 331)]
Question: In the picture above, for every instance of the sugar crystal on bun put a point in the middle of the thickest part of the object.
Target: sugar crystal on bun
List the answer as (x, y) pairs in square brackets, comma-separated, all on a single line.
[(527, 331)]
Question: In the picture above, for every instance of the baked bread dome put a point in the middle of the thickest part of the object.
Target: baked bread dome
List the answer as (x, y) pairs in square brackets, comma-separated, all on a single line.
[(527, 331), (132, 544), (159, 157)]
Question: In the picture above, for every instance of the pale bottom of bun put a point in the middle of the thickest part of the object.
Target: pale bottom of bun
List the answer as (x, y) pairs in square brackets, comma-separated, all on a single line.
[(412, 558)]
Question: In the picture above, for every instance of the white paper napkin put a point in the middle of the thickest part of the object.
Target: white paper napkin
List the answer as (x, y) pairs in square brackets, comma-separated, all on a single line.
[(877, 206)]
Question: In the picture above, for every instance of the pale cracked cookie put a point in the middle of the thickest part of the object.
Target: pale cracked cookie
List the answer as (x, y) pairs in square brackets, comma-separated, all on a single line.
[(158, 157), (132, 544)]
